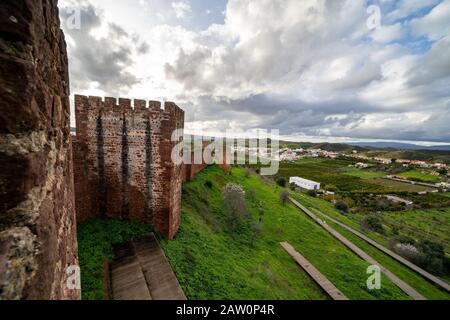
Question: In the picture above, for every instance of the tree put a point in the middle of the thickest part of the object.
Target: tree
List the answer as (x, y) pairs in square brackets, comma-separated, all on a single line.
[(257, 230), (341, 206), (284, 197), (281, 182), (374, 224), (235, 204), (330, 187), (311, 193)]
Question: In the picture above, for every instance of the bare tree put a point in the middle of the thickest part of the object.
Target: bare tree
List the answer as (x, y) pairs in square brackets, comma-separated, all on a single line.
[(284, 197), (235, 204)]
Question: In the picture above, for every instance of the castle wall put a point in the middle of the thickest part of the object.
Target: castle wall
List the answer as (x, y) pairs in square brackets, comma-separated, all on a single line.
[(37, 216), (190, 170), (123, 160)]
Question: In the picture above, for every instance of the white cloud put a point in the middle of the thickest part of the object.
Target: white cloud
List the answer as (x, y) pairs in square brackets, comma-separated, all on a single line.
[(306, 67), (181, 8), (388, 33), (434, 25)]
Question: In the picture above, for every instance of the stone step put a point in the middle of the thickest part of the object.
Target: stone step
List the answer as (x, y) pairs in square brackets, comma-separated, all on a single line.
[(128, 280), (141, 271)]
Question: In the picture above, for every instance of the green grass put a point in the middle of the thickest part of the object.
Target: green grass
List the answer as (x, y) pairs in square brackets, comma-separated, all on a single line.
[(418, 175), (365, 174), (96, 239), (403, 272), (213, 262), (430, 224)]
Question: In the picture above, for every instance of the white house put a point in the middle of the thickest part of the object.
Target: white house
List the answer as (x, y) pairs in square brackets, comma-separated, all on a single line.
[(304, 183)]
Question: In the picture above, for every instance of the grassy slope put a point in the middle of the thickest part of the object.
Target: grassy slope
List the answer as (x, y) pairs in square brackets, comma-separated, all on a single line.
[(430, 224), (95, 245), (404, 273), (214, 263)]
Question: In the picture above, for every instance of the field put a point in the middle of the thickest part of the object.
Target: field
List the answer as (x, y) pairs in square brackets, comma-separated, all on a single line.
[(214, 262), (365, 174), (419, 175), (336, 174), (328, 173), (396, 186)]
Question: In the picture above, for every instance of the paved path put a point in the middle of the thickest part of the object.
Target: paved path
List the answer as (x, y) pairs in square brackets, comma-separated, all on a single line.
[(141, 271), (321, 280), (392, 254), (396, 280)]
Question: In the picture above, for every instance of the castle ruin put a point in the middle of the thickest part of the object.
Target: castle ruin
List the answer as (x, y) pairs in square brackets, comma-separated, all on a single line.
[(123, 161)]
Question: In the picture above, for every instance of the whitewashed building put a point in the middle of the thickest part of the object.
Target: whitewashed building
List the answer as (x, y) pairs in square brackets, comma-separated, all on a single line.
[(304, 183)]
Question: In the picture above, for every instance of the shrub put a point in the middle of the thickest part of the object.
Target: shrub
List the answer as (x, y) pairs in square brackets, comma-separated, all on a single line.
[(235, 205), (257, 230), (434, 256), (374, 224), (409, 252), (281, 182), (209, 184), (311, 193), (341, 206), (284, 197), (330, 187)]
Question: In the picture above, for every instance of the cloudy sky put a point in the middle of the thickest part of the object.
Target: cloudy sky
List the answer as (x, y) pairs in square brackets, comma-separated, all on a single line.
[(322, 69)]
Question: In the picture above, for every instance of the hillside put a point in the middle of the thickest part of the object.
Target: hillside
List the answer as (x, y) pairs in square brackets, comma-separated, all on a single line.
[(213, 261)]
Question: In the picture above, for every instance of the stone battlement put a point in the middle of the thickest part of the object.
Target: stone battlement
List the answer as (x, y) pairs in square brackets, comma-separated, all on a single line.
[(123, 104), (122, 161)]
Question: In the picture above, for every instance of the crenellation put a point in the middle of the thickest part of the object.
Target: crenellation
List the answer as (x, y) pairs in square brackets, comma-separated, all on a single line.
[(140, 105), (155, 106), (125, 104)]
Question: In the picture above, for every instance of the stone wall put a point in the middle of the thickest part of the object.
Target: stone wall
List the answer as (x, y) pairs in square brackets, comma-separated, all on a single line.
[(190, 170), (123, 165), (37, 220)]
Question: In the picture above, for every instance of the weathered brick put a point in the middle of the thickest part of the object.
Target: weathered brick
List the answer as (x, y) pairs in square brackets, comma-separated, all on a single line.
[(123, 166), (37, 217)]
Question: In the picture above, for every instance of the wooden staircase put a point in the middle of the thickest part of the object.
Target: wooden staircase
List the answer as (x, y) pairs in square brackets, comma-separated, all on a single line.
[(141, 271)]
